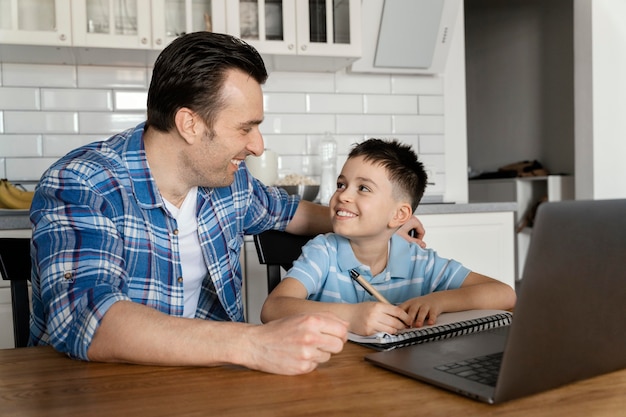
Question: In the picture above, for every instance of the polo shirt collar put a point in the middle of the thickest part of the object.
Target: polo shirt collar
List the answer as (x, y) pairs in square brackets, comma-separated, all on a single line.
[(399, 257)]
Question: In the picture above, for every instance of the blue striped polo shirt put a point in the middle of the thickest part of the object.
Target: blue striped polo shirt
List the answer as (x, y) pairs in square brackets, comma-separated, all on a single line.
[(325, 264)]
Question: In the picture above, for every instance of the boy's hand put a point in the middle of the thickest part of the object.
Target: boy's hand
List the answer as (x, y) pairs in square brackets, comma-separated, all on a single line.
[(372, 317), (423, 310)]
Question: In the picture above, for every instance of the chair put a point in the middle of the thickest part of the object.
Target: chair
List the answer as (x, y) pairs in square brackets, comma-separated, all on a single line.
[(278, 250), (15, 267)]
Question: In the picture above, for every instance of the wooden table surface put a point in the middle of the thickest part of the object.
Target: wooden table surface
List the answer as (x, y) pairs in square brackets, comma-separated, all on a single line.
[(42, 382)]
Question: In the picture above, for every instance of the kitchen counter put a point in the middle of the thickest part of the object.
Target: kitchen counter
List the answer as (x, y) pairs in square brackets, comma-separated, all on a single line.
[(14, 219), (443, 208)]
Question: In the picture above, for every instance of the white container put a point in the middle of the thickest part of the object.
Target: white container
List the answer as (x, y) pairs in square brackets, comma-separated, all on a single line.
[(264, 167)]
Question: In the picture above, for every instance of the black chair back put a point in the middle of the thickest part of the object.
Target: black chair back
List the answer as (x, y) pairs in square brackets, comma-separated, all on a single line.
[(278, 250), (15, 267)]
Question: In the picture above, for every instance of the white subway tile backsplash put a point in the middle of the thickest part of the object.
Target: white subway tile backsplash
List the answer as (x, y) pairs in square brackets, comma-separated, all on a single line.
[(12, 146), (390, 104), (370, 124), (406, 84), (40, 122), (286, 144), (363, 83), (284, 102), (432, 144), (112, 77), (430, 104), (59, 145), (310, 82), (131, 100), (19, 98), (27, 169), (103, 123), (48, 110), (33, 75), (76, 99), (334, 103), (294, 124), (418, 124)]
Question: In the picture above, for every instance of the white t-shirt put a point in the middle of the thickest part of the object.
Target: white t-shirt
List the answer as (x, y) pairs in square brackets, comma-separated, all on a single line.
[(192, 262)]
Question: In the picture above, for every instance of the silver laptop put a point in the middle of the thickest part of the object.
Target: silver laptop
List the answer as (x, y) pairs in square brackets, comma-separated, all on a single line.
[(569, 319)]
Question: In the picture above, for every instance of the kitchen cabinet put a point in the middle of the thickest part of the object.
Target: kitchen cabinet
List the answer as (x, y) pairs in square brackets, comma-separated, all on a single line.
[(40, 22), (172, 18), (142, 24), (308, 29), (109, 23)]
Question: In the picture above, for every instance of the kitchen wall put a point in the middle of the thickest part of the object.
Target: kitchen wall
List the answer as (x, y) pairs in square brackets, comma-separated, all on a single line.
[(46, 110)]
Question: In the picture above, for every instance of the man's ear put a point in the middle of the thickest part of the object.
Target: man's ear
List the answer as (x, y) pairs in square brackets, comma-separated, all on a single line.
[(188, 124), (402, 215)]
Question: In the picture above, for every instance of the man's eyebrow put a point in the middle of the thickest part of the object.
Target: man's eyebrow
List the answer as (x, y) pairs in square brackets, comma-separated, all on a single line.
[(249, 123)]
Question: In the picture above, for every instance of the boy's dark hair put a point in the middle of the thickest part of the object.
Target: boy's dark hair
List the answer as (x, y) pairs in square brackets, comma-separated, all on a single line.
[(190, 72), (405, 171)]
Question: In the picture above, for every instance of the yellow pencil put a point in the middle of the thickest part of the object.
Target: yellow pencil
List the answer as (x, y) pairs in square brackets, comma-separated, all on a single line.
[(367, 286)]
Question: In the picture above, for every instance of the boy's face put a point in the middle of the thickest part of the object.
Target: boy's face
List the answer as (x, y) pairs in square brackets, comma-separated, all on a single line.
[(364, 204)]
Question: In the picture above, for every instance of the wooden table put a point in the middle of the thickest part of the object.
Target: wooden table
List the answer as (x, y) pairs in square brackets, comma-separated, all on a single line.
[(42, 382)]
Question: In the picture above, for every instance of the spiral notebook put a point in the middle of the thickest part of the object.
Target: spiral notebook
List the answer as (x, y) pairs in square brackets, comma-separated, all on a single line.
[(447, 325)]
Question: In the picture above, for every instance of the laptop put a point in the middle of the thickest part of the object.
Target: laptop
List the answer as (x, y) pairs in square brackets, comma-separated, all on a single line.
[(568, 322)]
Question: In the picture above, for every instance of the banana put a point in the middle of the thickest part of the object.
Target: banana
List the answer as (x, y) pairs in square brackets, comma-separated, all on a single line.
[(22, 195), (12, 197)]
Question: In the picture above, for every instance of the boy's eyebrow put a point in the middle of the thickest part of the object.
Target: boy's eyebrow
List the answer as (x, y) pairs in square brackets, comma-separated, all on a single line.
[(363, 179)]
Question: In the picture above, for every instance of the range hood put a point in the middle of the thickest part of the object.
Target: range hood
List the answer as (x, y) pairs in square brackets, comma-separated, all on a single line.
[(406, 36)]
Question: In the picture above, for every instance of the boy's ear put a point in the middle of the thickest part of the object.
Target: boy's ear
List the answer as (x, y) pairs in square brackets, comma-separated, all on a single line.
[(402, 215), (187, 124)]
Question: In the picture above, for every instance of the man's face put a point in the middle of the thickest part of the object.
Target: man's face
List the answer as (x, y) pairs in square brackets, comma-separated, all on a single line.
[(216, 158)]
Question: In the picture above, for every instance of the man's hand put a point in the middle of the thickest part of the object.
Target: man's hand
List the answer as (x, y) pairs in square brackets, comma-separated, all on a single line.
[(413, 231), (296, 344)]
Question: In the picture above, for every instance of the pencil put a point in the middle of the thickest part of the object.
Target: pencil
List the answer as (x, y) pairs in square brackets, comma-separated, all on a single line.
[(367, 286)]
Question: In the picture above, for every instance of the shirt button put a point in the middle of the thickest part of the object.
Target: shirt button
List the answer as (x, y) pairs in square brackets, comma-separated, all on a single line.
[(175, 231), (180, 279), (67, 275)]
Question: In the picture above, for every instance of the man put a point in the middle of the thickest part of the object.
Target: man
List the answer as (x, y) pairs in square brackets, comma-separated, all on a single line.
[(136, 239)]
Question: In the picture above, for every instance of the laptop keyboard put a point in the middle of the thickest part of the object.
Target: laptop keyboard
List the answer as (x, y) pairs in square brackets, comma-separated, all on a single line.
[(483, 369)]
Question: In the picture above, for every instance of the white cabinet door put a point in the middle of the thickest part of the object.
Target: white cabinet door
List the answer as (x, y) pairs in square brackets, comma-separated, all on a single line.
[(330, 28), (172, 18), (112, 23), (484, 242), (35, 22)]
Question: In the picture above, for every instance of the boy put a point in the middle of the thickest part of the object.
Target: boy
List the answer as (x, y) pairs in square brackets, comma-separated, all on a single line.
[(378, 190)]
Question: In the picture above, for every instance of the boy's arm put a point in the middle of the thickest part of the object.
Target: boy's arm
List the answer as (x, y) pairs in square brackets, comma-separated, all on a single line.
[(290, 297), (477, 292)]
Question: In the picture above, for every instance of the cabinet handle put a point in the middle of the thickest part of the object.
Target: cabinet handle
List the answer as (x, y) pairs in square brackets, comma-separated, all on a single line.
[(158, 41), (303, 47), (290, 46), (62, 37), (144, 40)]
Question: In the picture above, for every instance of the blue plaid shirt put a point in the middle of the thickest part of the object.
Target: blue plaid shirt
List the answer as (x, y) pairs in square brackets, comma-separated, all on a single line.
[(101, 234)]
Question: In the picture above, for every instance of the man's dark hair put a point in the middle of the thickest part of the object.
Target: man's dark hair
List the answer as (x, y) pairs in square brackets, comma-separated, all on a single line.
[(190, 72), (405, 171)]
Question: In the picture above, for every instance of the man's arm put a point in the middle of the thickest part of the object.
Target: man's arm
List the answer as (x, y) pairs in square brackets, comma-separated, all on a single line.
[(134, 333)]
